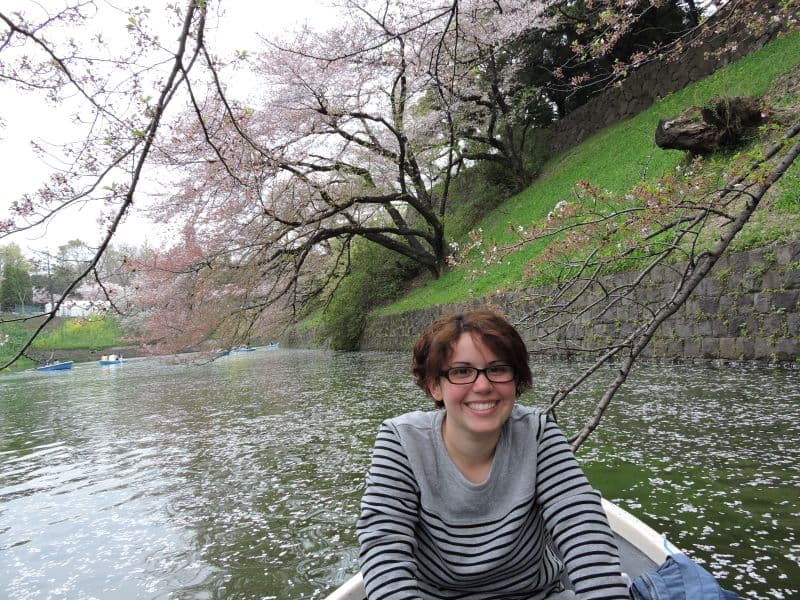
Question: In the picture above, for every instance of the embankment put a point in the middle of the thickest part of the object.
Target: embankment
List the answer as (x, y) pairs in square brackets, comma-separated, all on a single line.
[(747, 309)]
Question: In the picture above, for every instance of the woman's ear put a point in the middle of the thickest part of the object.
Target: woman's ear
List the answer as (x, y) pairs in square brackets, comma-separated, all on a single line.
[(435, 390)]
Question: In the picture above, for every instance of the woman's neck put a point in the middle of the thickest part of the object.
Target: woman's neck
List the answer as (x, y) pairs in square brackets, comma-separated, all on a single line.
[(473, 455)]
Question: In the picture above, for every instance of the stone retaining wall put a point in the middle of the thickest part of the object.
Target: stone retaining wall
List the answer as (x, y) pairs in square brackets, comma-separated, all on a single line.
[(747, 308)]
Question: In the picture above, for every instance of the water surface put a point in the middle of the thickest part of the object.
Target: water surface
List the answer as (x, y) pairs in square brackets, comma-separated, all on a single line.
[(241, 478)]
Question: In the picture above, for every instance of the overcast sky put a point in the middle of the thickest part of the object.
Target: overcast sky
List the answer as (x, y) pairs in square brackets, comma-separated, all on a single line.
[(29, 118)]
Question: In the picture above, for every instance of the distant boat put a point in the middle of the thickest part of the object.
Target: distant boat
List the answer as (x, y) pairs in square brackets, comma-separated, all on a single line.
[(56, 366), (243, 349), (272, 346), (110, 359)]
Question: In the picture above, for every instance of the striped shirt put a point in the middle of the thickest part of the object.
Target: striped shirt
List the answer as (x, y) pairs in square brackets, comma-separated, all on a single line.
[(427, 532)]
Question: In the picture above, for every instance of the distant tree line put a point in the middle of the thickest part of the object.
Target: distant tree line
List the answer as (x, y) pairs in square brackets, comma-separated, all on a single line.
[(49, 274)]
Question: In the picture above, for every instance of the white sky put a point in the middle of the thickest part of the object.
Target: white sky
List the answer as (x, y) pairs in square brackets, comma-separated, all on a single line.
[(29, 118)]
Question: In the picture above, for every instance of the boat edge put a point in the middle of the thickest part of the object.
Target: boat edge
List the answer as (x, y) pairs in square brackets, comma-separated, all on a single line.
[(638, 533)]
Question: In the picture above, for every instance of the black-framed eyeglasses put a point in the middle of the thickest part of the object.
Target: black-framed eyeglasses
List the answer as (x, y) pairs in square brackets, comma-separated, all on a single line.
[(465, 375)]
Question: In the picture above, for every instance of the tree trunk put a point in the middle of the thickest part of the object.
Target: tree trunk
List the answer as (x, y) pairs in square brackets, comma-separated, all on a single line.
[(704, 130)]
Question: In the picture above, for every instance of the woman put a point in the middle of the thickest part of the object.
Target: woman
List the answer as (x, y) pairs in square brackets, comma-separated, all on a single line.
[(471, 501)]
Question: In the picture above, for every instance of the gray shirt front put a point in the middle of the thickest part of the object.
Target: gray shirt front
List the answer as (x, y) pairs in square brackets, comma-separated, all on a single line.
[(427, 532)]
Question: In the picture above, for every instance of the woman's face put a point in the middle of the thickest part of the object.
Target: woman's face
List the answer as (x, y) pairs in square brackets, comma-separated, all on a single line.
[(479, 408)]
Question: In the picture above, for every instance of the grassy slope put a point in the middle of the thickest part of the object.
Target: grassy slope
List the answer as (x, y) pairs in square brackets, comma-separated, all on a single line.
[(93, 333), (616, 159)]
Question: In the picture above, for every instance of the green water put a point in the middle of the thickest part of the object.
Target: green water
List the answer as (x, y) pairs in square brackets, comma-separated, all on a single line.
[(241, 478)]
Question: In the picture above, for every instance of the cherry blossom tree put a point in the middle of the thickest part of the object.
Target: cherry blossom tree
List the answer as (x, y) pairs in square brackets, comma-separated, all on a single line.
[(117, 85), (353, 139), (353, 134)]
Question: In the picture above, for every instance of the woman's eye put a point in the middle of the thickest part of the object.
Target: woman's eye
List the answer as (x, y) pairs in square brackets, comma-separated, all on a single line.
[(460, 371)]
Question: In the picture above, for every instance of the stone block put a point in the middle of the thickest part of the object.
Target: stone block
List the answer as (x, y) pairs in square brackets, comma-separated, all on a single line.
[(719, 327), (735, 325), (791, 279), (793, 324), (684, 329), (691, 307), (762, 302), (751, 282), (728, 349), (691, 348), (739, 263), (772, 280), (675, 349), (764, 348), (745, 302), (727, 305), (710, 286), (746, 347), (788, 253), (657, 348), (710, 347), (708, 304), (774, 323), (702, 327), (787, 349), (786, 300)]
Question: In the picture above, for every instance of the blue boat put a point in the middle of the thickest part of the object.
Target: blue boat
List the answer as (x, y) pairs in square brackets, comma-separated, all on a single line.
[(111, 359), (56, 366)]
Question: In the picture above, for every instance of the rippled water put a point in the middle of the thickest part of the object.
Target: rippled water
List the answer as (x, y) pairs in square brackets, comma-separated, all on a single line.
[(241, 478)]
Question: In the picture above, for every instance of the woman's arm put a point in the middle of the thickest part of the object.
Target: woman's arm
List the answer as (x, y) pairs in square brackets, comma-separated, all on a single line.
[(575, 519), (389, 513)]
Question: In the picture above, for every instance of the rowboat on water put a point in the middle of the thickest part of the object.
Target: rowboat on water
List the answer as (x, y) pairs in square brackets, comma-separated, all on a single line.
[(110, 359), (243, 349), (56, 366), (641, 549)]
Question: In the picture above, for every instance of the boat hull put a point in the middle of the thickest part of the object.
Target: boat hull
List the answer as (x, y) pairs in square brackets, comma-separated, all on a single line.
[(61, 366)]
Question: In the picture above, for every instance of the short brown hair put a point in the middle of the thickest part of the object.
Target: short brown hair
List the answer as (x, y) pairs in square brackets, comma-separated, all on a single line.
[(435, 346)]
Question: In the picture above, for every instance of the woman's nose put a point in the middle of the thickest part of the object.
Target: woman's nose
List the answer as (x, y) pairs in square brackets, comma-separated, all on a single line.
[(482, 381)]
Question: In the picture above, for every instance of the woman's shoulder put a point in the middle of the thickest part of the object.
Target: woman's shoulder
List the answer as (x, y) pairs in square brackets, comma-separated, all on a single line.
[(417, 419), (526, 413), (527, 419), (416, 433)]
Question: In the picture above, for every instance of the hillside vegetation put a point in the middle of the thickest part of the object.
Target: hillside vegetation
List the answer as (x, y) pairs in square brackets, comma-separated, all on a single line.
[(78, 333), (617, 161)]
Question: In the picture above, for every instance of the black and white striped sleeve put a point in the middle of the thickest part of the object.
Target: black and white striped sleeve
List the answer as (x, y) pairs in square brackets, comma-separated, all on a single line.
[(575, 519), (386, 527)]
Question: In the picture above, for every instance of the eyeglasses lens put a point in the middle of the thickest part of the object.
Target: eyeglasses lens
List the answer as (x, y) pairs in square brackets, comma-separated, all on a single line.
[(495, 374)]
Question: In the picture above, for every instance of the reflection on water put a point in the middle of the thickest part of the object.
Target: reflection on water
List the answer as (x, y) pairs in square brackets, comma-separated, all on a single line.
[(241, 478)]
